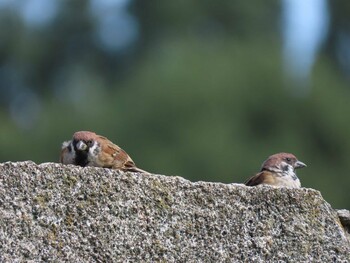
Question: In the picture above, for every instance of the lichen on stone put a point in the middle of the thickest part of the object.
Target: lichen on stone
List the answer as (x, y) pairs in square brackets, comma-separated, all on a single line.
[(52, 212)]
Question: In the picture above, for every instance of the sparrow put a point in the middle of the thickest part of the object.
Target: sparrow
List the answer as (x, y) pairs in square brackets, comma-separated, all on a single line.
[(89, 149), (279, 171)]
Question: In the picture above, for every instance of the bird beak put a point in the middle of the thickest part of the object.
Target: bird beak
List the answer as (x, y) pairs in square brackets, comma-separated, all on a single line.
[(81, 146), (299, 164)]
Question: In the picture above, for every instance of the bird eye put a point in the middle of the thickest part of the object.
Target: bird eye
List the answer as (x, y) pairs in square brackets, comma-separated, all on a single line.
[(89, 142), (288, 159)]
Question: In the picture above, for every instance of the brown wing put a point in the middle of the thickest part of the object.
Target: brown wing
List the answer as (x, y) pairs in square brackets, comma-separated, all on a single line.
[(264, 177), (116, 158)]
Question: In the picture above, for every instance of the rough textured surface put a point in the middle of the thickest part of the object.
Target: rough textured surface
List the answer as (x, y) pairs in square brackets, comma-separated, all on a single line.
[(52, 212), (344, 217)]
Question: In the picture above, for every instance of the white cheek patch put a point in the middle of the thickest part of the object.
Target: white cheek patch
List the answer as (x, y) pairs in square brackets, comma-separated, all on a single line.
[(275, 169), (72, 149), (290, 171), (93, 152), (69, 156), (286, 168), (66, 144)]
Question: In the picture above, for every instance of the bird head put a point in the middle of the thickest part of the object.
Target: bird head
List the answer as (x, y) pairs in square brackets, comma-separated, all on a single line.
[(83, 141), (282, 162)]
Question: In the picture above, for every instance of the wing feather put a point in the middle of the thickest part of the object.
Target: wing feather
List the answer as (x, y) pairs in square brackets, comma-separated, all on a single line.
[(116, 158), (263, 177)]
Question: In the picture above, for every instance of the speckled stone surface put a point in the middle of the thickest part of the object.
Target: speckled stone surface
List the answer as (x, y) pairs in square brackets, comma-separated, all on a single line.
[(55, 213)]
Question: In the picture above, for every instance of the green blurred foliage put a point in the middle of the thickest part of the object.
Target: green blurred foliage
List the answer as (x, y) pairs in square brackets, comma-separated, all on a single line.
[(201, 95)]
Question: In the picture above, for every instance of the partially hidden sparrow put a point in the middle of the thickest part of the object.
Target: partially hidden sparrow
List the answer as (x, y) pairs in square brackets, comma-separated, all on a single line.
[(278, 170), (89, 149)]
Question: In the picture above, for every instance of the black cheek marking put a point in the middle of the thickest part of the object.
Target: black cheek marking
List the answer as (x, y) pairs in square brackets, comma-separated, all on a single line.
[(285, 168), (97, 149), (69, 148)]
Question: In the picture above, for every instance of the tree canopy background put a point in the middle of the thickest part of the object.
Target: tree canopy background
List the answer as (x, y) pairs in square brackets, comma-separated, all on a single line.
[(190, 88)]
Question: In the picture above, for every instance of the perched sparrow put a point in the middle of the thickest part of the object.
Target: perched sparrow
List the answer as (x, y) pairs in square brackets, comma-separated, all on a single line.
[(89, 149), (278, 170)]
